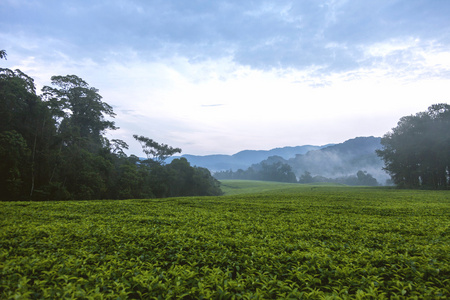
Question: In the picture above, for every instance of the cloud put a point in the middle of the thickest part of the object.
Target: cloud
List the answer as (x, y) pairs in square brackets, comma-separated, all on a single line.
[(283, 34), (236, 75), (212, 105)]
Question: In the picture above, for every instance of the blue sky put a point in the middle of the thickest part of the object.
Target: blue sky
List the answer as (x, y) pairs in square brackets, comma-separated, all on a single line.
[(223, 76)]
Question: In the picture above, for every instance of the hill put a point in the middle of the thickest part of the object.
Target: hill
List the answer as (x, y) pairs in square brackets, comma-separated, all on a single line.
[(353, 162), (337, 161), (328, 161), (342, 160), (245, 158)]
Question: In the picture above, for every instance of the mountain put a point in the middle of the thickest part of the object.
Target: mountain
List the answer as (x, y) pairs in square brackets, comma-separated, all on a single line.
[(343, 159), (244, 159), (340, 162), (331, 161)]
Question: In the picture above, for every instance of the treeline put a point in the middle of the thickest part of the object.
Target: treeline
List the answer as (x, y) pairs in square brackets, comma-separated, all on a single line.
[(281, 172), (267, 172), (53, 147), (416, 153), (362, 178)]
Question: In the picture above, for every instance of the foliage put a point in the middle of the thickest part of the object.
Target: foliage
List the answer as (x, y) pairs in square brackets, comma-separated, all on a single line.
[(280, 172), (14, 154), (306, 178), (340, 160), (362, 178), (81, 112), (23, 114), (417, 152), (53, 147), (240, 187), (296, 241), (155, 151), (276, 171)]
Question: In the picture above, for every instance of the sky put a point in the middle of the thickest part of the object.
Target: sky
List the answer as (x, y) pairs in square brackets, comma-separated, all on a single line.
[(218, 77)]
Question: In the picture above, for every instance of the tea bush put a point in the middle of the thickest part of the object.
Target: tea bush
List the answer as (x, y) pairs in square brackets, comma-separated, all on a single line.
[(294, 241)]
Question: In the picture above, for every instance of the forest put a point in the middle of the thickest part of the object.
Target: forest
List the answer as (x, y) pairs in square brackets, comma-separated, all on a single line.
[(275, 168), (282, 172), (416, 153), (53, 147)]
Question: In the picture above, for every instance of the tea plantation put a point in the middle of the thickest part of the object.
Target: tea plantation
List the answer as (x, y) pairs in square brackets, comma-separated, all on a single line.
[(288, 241)]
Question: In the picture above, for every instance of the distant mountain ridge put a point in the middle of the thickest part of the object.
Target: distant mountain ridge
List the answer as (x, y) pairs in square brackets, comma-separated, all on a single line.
[(332, 160), (245, 158), (339, 160)]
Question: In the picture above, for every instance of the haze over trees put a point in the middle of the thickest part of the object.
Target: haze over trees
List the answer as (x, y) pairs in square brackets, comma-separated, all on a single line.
[(245, 158), (53, 147), (353, 162), (275, 171), (417, 152), (280, 172)]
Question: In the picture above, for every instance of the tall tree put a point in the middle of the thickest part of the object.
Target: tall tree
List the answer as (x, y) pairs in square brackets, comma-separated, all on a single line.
[(23, 112), (52, 147), (84, 163), (417, 152), (79, 110), (306, 178), (155, 151), (14, 154)]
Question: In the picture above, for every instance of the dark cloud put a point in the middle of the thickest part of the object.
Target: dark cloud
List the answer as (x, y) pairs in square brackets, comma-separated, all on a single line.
[(259, 34)]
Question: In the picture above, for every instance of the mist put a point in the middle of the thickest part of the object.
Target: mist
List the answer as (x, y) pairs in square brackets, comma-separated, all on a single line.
[(338, 163), (342, 160)]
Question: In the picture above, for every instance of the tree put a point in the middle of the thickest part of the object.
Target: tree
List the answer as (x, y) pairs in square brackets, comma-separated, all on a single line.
[(13, 165), (22, 111), (416, 153), (2, 54), (178, 178), (306, 178), (365, 178), (155, 151), (277, 172), (52, 147), (117, 147), (186, 180), (17, 99), (79, 111), (205, 183)]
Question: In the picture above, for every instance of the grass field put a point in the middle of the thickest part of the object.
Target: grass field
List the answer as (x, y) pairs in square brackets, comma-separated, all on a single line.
[(239, 187), (258, 241)]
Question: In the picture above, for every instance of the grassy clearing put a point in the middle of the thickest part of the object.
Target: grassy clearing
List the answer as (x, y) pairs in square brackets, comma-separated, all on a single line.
[(236, 187), (239, 187), (287, 241)]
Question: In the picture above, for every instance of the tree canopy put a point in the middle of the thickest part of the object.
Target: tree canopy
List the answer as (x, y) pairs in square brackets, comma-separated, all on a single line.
[(417, 152), (276, 171), (53, 147), (155, 151)]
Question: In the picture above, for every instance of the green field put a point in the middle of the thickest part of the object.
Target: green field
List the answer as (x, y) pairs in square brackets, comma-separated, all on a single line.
[(258, 241), (239, 187)]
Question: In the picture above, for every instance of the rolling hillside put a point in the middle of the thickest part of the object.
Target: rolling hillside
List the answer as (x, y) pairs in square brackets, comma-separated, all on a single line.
[(243, 159), (330, 161), (343, 159)]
